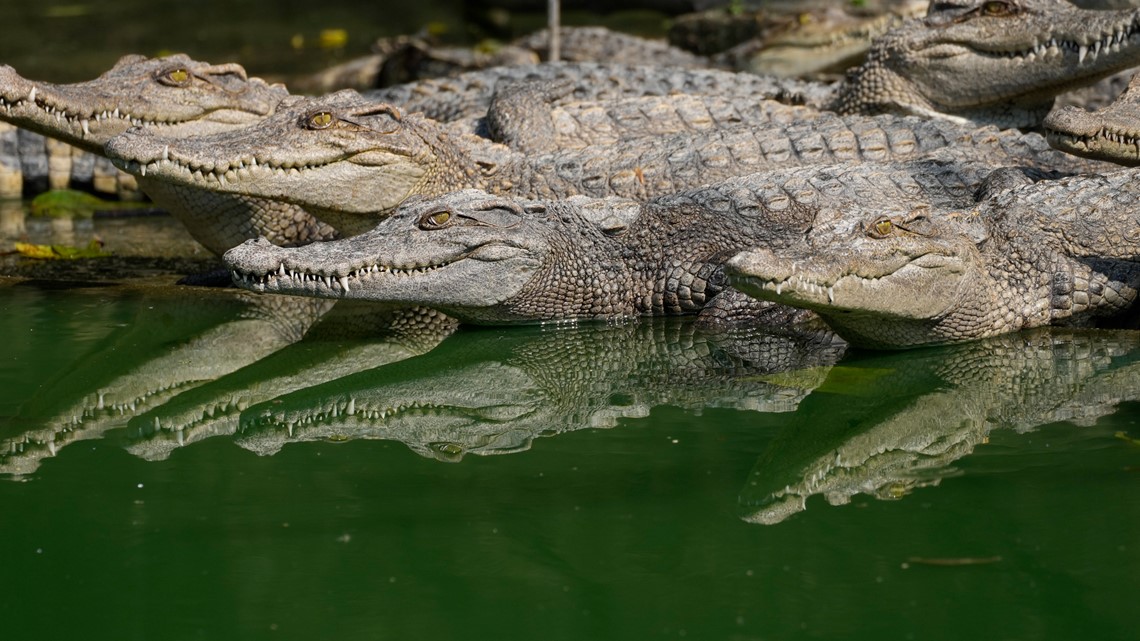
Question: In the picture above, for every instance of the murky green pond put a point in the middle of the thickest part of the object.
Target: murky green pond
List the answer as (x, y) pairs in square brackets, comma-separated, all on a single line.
[(179, 463), (176, 466)]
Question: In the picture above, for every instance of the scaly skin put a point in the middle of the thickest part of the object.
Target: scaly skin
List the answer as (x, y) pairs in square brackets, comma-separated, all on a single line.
[(182, 98), (828, 40), (1111, 133), (350, 161), (1054, 253), (995, 61), (468, 95), (587, 258)]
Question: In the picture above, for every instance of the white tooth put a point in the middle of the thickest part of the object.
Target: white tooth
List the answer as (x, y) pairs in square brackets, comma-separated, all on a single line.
[(166, 153), (351, 409), (142, 168), (32, 95), (344, 283), (86, 127), (1082, 51), (328, 282), (281, 270), (830, 294), (779, 288), (115, 113)]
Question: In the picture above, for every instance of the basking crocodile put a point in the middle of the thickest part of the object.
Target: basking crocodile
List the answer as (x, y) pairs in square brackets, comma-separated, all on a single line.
[(350, 161), (995, 61), (493, 392), (584, 258), (180, 97), (1111, 133), (819, 43), (1063, 252), (988, 61), (943, 404), (409, 58)]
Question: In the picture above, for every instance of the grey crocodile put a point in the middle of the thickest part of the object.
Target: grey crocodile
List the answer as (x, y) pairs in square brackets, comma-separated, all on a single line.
[(350, 161), (1061, 252), (1111, 133), (943, 404), (819, 43), (494, 392), (583, 258), (999, 61), (180, 97), (988, 61)]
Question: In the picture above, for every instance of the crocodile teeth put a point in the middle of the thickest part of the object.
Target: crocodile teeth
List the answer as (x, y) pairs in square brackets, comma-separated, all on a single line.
[(344, 283), (1082, 51), (32, 95)]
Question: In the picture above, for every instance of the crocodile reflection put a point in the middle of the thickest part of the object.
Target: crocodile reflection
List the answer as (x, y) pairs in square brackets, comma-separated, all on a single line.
[(351, 337), (151, 361), (493, 390), (876, 428)]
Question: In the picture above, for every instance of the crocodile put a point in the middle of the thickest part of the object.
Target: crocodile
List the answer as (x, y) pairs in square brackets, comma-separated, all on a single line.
[(583, 258), (1111, 133), (405, 58), (943, 403), (180, 97), (819, 43), (995, 61), (349, 161), (173, 93), (495, 391), (1060, 252), (988, 61)]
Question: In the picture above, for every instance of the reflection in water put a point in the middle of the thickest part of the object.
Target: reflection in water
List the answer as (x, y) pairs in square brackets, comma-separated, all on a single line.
[(891, 423), (353, 336), (149, 362), (491, 391)]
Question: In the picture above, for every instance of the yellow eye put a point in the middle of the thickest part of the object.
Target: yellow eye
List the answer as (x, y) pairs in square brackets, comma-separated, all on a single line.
[(995, 8), (883, 227), (177, 77), (320, 120), (435, 220)]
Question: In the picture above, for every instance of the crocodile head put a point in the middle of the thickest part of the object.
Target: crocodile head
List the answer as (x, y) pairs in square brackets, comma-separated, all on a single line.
[(879, 280), (341, 155), (172, 94), (997, 61), (1112, 133), (466, 253)]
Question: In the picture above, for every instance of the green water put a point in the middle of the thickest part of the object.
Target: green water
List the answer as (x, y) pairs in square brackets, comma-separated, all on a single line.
[(626, 500), (175, 465)]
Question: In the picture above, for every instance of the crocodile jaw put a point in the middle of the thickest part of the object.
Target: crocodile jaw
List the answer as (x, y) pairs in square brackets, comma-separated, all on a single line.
[(469, 281), (88, 114), (891, 294)]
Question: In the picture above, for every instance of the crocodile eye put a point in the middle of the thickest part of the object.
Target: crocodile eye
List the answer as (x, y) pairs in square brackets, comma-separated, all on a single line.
[(177, 77), (320, 120), (996, 8), (435, 220), (882, 227)]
